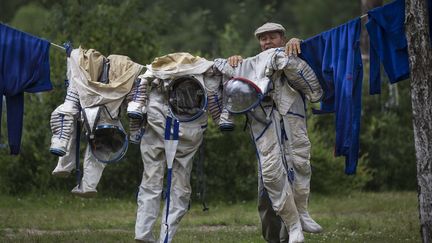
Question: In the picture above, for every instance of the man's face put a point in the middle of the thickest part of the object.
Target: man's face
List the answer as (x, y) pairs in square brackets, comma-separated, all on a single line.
[(271, 40)]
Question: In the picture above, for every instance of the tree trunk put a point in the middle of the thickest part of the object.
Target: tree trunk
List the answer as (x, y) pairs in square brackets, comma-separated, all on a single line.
[(420, 55)]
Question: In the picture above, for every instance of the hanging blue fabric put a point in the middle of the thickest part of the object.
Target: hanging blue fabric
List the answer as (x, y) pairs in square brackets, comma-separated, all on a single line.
[(429, 6), (172, 127), (77, 153), (24, 67), (335, 57), (388, 44)]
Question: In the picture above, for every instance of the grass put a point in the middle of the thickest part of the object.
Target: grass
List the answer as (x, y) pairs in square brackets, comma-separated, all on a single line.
[(358, 217)]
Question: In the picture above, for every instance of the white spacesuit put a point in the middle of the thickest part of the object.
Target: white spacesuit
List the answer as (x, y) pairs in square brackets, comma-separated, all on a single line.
[(178, 89), (267, 88), (98, 86)]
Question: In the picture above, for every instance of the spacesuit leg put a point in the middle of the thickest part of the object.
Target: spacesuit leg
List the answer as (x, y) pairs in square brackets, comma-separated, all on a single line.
[(274, 174), (66, 163), (272, 227), (150, 189), (92, 172), (298, 150), (190, 138)]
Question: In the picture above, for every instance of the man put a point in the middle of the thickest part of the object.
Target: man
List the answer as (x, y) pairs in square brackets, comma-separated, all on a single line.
[(272, 35)]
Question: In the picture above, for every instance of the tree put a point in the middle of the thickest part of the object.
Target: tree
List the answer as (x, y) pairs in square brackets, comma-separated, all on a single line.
[(420, 56)]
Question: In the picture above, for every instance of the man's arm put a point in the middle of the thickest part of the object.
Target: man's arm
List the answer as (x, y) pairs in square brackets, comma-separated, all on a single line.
[(235, 60), (292, 47)]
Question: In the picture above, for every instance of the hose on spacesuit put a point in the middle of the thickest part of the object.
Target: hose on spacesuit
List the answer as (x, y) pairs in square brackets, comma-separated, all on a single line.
[(77, 153), (201, 180), (171, 142)]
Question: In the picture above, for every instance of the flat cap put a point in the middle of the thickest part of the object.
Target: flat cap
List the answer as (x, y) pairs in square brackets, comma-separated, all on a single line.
[(269, 27)]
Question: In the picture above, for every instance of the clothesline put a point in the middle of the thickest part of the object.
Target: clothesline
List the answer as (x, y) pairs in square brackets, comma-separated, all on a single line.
[(58, 46), (54, 44), (61, 47)]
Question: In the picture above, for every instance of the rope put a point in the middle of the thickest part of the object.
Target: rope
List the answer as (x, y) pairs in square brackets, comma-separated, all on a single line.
[(58, 46)]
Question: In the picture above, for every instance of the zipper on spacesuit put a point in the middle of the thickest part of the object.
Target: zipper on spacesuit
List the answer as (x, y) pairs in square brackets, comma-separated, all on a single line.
[(288, 168)]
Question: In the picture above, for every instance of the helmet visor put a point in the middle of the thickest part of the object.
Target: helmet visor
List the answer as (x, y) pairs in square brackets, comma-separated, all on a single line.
[(187, 98), (109, 144), (240, 95)]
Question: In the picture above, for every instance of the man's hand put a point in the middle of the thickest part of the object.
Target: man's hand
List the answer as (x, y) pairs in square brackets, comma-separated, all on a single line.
[(292, 47), (234, 61)]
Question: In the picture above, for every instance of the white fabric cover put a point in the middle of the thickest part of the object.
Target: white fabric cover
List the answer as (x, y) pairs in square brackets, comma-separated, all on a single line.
[(176, 65)]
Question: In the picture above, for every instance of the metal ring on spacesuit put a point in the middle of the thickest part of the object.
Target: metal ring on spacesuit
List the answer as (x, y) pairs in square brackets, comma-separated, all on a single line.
[(241, 95), (109, 143), (187, 98)]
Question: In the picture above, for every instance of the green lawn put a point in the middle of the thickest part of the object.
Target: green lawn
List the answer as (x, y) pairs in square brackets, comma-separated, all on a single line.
[(359, 217)]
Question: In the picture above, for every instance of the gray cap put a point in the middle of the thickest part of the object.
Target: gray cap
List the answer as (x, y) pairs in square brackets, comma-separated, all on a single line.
[(269, 27)]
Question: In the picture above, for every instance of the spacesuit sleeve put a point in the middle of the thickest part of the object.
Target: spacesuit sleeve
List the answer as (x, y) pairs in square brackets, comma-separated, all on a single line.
[(301, 77)]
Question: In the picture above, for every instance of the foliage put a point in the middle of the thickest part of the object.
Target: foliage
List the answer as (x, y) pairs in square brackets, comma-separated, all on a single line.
[(327, 170), (230, 164), (144, 29), (31, 18), (387, 138), (317, 16)]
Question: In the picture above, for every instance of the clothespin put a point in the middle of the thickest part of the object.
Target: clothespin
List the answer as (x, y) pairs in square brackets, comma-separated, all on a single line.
[(68, 48)]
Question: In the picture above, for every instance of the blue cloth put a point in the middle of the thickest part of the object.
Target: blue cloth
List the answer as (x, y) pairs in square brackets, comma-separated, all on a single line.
[(24, 67), (429, 6), (335, 57), (388, 44)]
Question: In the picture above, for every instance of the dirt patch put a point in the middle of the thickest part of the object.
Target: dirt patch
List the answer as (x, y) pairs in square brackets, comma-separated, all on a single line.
[(12, 233), (215, 228)]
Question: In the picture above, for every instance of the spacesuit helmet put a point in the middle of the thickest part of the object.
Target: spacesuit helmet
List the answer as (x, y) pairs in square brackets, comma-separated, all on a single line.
[(187, 98), (240, 95), (109, 143)]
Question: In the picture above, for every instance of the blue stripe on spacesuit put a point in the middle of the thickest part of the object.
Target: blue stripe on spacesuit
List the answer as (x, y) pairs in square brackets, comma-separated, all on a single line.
[(61, 125), (168, 128), (295, 114), (300, 72), (169, 176), (335, 57), (175, 124), (176, 129), (264, 130), (137, 91)]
